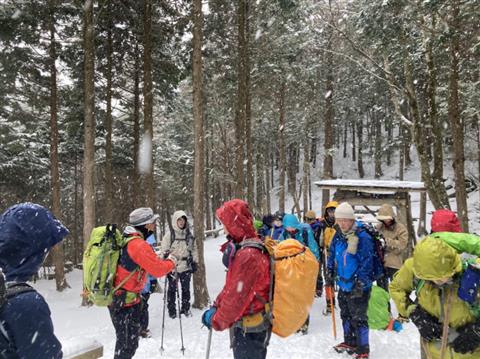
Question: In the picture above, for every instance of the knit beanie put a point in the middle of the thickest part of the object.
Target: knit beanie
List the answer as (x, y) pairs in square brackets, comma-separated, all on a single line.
[(344, 211)]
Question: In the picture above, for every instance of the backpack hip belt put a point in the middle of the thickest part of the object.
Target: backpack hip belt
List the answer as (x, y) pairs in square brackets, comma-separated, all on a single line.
[(255, 323)]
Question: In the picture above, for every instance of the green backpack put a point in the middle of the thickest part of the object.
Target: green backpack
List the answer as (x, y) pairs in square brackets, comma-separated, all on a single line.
[(100, 264)]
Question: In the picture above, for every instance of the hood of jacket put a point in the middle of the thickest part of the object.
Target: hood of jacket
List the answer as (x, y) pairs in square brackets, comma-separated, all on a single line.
[(331, 204), (433, 260), (175, 217), (444, 220), (385, 212), (237, 220), (290, 220), (27, 232)]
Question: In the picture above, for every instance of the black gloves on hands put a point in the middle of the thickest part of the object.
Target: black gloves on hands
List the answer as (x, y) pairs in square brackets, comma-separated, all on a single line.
[(468, 339), (428, 325), (329, 279), (357, 290)]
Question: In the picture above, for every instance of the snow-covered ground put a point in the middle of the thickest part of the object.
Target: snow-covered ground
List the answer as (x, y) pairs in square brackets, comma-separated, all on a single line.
[(75, 324)]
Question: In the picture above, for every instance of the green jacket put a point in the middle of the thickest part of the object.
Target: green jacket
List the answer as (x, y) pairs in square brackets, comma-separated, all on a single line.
[(436, 257)]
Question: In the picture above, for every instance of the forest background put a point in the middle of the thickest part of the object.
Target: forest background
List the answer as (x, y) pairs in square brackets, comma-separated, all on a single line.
[(110, 105)]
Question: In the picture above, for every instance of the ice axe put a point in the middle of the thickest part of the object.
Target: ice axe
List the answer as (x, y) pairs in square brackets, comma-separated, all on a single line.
[(329, 292)]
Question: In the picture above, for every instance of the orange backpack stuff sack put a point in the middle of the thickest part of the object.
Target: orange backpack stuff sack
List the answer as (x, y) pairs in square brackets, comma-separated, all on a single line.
[(296, 270)]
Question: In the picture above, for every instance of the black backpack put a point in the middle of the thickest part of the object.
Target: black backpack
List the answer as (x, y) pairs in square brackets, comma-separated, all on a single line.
[(379, 246)]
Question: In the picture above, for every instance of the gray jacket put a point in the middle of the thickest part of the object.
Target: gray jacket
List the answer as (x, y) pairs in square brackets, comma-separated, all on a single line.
[(182, 245)]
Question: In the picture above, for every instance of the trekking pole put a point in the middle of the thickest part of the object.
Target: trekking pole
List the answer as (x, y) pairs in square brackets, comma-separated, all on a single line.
[(332, 307), (179, 312), (163, 318), (209, 343)]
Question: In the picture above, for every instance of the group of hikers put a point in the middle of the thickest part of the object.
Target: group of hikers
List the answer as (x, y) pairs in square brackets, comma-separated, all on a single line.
[(436, 288)]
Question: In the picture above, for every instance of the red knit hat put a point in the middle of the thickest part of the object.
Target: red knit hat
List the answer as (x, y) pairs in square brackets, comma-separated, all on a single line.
[(444, 220)]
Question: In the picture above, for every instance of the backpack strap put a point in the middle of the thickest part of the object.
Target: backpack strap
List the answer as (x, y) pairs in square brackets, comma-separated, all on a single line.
[(12, 290)]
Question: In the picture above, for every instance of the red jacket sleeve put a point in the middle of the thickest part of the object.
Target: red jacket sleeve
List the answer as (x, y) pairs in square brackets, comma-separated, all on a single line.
[(239, 290), (142, 254)]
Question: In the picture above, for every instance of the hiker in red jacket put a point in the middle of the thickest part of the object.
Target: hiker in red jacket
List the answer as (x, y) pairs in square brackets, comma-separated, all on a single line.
[(247, 285), (137, 259)]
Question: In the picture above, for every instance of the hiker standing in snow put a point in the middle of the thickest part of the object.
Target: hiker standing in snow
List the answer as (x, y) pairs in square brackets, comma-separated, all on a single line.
[(302, 232), (396, 242), (179, 240), (329, 229), (446, 290), (137, 259), (27, 232), (350, 262), (247, 287), (316, 226)]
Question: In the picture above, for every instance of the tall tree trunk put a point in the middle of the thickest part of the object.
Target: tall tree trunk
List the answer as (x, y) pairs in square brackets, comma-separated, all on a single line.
[(148, 103), (57, 252), (328, 122), (361, 171), (268, 187), (208, 185), (418, 133), (240, 113), (282, 149), (77, 240), (306, 173), (260, 183), (401, 161), (108, 124), (456, 122), (89, 123), (199, 278), (378, 145), (345, 137), (437, 138), (354, 141), (137, 194), (248, 116)]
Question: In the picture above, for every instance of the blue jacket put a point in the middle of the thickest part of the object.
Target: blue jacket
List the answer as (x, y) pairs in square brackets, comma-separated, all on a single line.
[(27, 232), (273, 232), (350, 268), (302, 230)]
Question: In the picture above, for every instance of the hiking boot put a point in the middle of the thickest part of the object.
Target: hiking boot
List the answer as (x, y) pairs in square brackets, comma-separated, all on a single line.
[(361, 356), (345, 348), (172, 315), (186, 312), (145, 333), (319, 293)]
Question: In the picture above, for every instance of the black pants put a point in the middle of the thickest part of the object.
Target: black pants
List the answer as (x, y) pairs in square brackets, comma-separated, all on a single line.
[(353, 312), (144, 317), (386, 278), (184, 278), (126, 321), (249, 345)]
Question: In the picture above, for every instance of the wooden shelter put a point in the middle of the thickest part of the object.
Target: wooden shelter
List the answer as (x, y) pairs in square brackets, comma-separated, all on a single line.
[(375, 193)]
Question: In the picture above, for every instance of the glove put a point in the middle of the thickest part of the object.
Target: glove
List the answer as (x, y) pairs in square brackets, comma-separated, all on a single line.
[(207, 317), (357, 291), (428, 326), (174, 259), (329, 281), (468, 339), (352, 244), (194, 267)]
